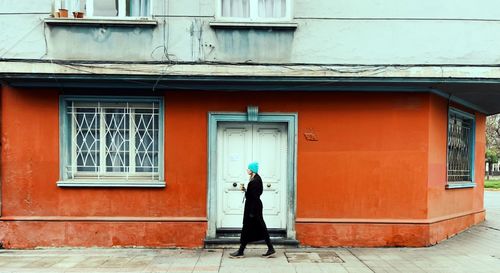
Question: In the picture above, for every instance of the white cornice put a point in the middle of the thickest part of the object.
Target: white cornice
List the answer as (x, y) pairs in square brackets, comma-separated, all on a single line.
[(254, 70)]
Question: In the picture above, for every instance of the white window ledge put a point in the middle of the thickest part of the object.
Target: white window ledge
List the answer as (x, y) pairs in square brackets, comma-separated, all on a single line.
[(276, 25), (460, 185), (111, 184), (102, 22)]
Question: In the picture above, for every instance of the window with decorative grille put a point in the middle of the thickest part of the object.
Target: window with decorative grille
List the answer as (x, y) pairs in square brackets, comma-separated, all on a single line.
[(460, 146), (113, 140)]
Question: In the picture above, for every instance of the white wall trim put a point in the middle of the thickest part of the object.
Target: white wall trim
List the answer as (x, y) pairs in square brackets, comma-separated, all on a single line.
[(444, 72)]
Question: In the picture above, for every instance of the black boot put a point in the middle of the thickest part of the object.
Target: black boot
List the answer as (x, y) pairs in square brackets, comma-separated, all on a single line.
[(270, 252), (238, 253), (270, 248)]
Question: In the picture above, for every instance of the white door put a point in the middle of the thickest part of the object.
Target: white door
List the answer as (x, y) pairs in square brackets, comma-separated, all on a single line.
[(237, 145)]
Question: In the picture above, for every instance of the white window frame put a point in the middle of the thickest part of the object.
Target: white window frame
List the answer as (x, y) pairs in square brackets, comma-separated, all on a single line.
[(89, 10), (103, 178), (254, 14)]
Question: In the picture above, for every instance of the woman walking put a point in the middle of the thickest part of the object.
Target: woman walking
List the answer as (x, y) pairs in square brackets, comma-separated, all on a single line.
[(254, 227)]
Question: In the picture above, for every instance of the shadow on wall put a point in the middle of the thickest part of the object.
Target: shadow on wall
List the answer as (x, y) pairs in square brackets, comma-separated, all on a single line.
[(100, 43), (254, 45)]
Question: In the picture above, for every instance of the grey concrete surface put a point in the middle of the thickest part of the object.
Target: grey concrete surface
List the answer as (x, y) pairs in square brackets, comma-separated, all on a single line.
[(475, 250)]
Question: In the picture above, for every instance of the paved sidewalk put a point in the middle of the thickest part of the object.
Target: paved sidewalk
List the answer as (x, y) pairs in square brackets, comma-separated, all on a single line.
[(475, 250)]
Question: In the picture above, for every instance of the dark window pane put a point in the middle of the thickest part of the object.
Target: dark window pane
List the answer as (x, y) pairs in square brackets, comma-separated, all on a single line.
[(460, 135)]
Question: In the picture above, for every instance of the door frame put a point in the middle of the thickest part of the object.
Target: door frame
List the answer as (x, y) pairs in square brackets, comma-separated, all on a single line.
[(291, 121)]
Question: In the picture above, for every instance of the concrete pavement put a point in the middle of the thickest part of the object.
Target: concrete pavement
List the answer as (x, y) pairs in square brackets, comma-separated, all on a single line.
[(475, 250)]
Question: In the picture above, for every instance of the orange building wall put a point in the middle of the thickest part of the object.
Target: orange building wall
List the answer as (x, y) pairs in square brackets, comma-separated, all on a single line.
[(466, 204), (363, 183), (371, 151), (38, 213)]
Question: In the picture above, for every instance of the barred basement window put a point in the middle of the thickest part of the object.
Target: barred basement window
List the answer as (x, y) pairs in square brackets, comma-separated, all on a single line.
[(460, 146), (112, 142)]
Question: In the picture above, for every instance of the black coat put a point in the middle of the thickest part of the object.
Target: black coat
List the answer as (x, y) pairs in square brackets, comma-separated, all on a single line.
[(254, 227)]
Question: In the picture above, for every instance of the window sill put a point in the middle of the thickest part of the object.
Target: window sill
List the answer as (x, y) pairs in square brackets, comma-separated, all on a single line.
[(252, 25), (102, 22), (112, 184), (460, 185)]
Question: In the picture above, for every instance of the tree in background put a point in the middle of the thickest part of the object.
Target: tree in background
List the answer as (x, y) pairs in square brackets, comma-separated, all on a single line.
[(492, 142), (491, 158)]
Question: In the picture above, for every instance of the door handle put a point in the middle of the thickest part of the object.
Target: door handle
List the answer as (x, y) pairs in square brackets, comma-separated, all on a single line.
[(268, 185), (234, 185)]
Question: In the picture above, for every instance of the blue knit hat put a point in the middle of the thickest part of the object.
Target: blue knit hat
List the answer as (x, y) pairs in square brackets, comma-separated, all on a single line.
[(254, 167)]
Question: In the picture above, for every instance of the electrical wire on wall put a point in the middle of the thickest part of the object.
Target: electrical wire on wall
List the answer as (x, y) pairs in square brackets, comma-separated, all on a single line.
[(88, 68), (20, 40), (166, 41), (165, 35)]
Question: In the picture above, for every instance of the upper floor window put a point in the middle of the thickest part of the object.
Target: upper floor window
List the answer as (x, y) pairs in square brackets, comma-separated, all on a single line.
[(107, 8), (460, 146), (255, 10)]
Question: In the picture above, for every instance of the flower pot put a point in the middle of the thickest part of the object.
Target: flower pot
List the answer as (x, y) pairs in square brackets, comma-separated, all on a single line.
[(78, 14), (63, 13)]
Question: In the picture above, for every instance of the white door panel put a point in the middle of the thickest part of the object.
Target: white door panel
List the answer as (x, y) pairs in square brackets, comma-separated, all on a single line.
[(238, 144), (267, 153), (269, 149), (234, 151), (232, 203), (271, 202)]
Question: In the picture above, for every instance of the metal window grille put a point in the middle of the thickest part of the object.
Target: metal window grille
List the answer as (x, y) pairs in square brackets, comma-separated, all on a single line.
[(459, 148), (113, 140)]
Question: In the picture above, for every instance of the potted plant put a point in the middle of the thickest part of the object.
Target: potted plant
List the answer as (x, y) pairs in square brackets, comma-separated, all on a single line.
[(63, 11), (77, 7), (78, 14)]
